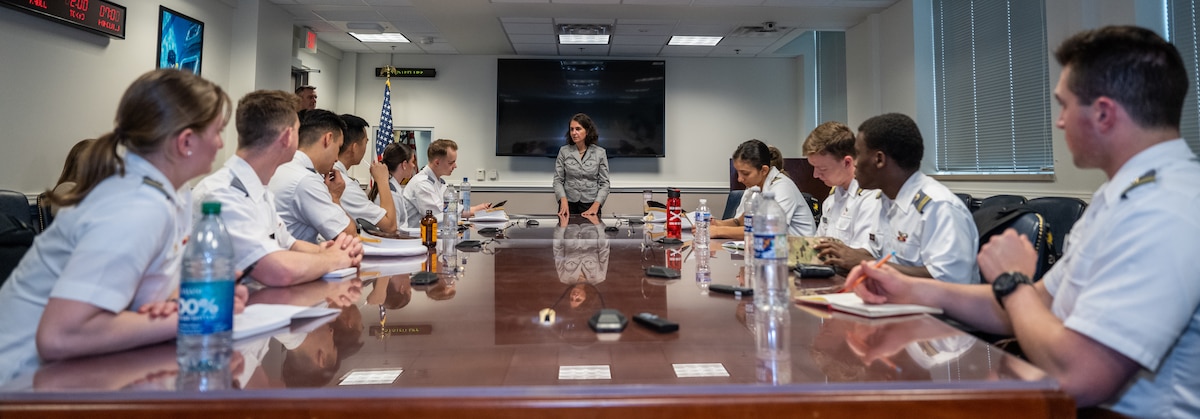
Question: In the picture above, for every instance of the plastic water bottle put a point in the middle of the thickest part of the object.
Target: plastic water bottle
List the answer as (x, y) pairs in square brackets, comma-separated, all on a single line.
[(465, 189), (449, 225), (753, 197), (205, 339), (770, 255), (772, 330), (703, 271), (700, 236)]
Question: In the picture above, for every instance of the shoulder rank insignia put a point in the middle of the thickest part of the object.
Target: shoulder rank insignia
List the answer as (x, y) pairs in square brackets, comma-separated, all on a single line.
[(156, 185), (237, 184), (1148, 178), (859, 191), (832, 189), (879, 195), (920, 200)]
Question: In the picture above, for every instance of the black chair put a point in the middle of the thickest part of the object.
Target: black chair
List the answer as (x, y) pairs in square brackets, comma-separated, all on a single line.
[(971, 202), (1060, 213), (17, 205), (1008, 201), (731, 203)]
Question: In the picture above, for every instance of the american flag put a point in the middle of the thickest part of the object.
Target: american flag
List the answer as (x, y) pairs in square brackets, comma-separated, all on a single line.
[(385, 134)]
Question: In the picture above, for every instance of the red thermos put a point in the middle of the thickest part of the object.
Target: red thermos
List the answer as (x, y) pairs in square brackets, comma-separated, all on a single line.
[(674, 210)]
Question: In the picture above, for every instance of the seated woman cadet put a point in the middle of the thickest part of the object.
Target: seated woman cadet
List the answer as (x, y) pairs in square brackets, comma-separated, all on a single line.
[(581, 170), (103, 277), (401, 165), (752, 161)]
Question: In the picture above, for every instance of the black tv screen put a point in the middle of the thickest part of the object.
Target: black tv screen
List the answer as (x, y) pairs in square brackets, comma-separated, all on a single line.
[(535, 100)]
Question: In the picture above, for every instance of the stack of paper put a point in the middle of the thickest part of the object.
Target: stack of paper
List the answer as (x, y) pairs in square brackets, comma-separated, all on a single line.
[(383, 246), (490, 215), (850, 303)]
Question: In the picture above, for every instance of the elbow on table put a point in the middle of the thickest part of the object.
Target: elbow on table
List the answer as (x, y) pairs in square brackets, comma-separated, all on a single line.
[(55, 345)]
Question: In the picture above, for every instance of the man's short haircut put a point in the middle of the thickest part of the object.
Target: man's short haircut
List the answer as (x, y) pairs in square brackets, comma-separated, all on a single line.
[(897, 136), (305, 87), (354, 132), (439, 148), (1132, 65), (314, 123), (832, 138), (262, 115)]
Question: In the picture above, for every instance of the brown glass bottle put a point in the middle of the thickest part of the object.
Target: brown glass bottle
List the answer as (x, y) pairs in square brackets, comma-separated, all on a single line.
[(429, 229)]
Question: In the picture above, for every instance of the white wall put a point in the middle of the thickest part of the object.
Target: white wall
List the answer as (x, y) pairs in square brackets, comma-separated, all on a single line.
[(712, 106), (61, 84), (882, 77)]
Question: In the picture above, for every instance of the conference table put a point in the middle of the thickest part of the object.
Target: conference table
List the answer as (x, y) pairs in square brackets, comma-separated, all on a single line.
[(504, 333)]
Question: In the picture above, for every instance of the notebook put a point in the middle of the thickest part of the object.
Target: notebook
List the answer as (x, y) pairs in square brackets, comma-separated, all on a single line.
[(259, 318), (849, 302)]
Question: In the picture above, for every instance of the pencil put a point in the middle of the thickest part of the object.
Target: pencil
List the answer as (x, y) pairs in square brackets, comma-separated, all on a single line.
[(853, 282)]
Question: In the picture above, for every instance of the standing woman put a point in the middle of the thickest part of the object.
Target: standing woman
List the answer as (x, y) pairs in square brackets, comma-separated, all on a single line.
[(402, 165), (103, 277), (752, 161), (581, 170)]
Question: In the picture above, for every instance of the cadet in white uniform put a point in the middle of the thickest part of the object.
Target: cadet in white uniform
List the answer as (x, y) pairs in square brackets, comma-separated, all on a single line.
[(100, 279), (1115, 321), (425, 190), (354, 199), (305, 198), (927, 226), (401, 164), (266, 251), (849, 213), (752, 161)]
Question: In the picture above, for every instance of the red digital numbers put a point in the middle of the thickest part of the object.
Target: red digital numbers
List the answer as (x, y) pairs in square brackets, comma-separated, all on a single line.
[(109, 13)]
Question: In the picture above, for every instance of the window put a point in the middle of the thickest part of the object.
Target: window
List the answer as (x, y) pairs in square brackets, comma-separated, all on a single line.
[(991, 88), (1182, 23)]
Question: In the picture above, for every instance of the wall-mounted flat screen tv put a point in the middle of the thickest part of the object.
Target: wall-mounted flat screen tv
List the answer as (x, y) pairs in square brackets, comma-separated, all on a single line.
[(535, 100)]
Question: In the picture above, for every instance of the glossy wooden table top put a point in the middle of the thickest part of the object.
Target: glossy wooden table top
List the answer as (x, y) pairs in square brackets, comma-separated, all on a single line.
[(479, 333)]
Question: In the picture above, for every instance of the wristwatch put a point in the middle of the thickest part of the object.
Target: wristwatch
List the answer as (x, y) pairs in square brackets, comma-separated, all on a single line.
[(1006, 283)]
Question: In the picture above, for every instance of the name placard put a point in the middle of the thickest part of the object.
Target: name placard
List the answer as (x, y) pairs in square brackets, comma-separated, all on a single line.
[(405, 72)]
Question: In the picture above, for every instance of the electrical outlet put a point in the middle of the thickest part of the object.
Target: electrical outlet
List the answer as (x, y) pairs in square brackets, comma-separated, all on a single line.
[(493, 174), (479, 173)]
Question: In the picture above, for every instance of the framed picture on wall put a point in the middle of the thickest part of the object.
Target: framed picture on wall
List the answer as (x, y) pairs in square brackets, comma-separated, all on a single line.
[(180, 41)]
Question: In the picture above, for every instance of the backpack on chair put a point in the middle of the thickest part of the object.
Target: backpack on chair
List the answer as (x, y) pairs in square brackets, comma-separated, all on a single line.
[(994, 220)]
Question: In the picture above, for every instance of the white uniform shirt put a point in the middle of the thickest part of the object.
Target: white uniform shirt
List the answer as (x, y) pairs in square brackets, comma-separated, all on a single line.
[(850, 215), (354, 199), (247, 209), (941, 236), (1128, 279), (424, 193), (118, 249), (788, 196), (304, 202), (403, 212)]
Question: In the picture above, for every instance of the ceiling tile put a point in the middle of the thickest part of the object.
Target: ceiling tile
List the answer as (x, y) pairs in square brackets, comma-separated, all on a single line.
[(349, 14), (545, 28), (532, 39), (635, 50), (659, 2), (536, 49), (727, 3), (623, 29), (735, 51), (682, 51), (639, 40), (583, 49)]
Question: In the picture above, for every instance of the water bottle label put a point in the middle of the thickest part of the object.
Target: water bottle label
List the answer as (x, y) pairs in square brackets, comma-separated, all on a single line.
[(205, 307), (703, 217), (770, 246), (747, 221)]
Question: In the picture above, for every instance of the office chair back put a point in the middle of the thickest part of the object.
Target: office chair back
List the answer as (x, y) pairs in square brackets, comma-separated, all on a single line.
[(814, 205), (15, 204), (1060, 213), (1008, 201), (971, 202), (731, 203)]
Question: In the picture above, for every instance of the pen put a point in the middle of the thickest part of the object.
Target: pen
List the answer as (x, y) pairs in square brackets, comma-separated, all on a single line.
[(853, 282)]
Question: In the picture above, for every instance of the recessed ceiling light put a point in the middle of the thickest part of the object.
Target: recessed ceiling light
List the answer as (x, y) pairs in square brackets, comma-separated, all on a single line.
[(394, 37), (700, 41), (566, 39)]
